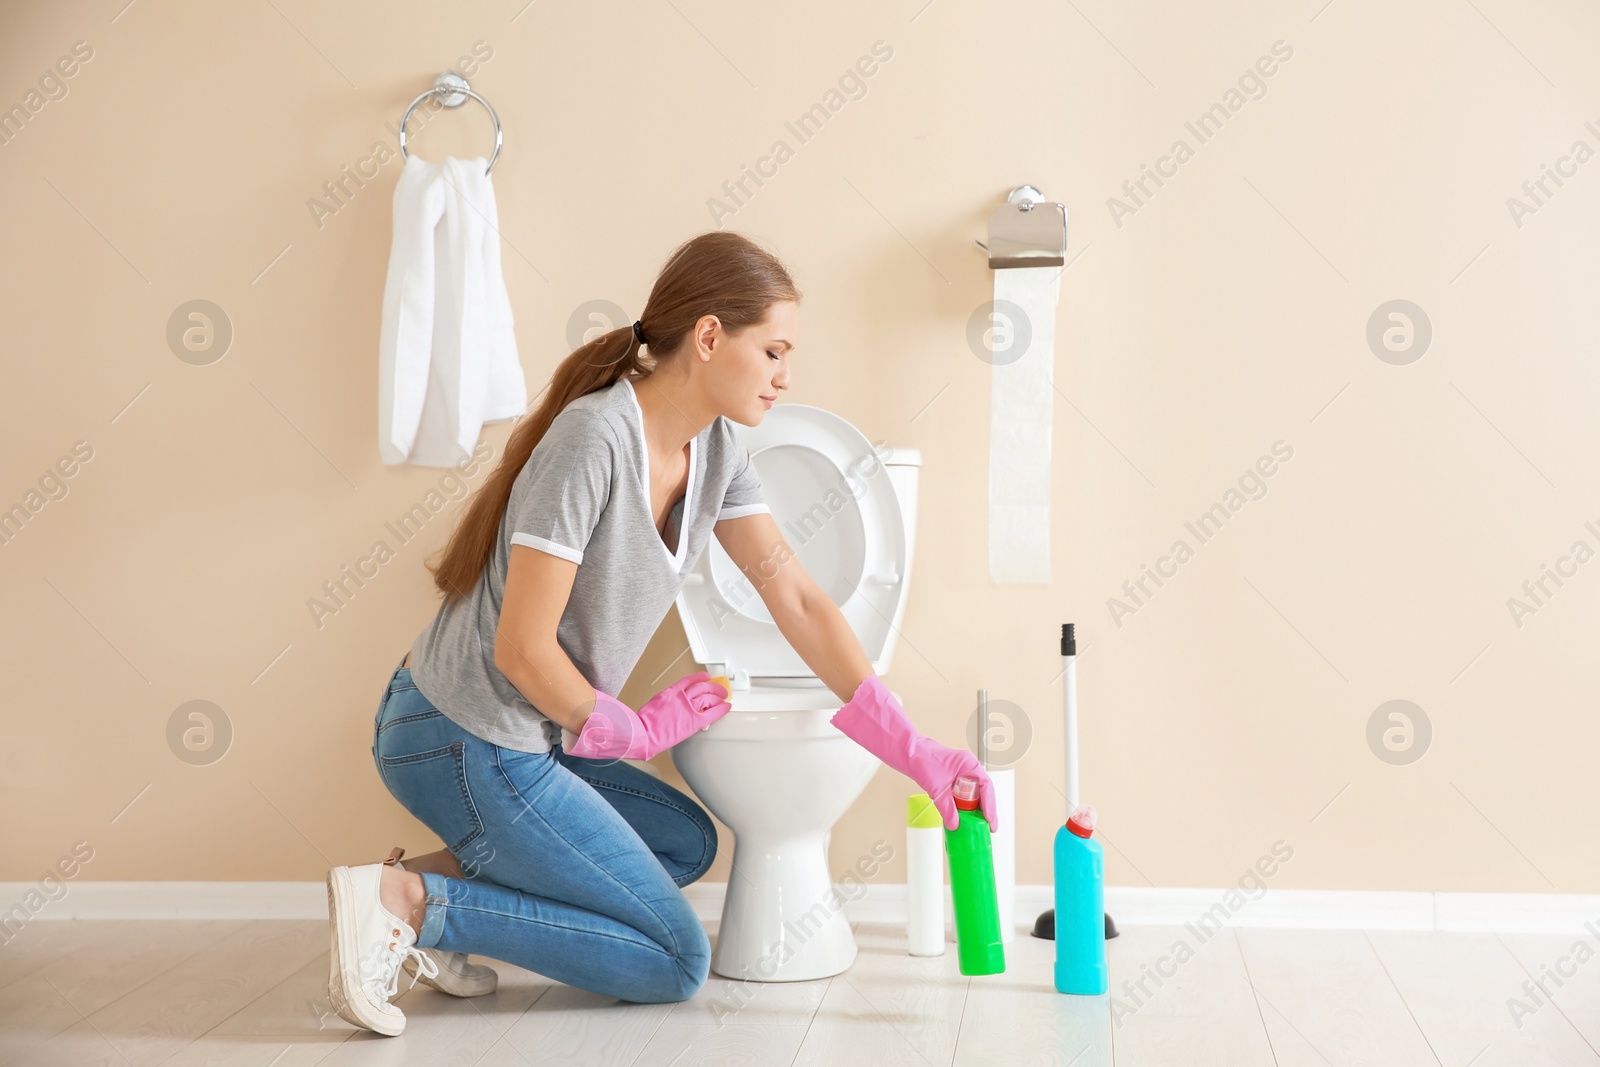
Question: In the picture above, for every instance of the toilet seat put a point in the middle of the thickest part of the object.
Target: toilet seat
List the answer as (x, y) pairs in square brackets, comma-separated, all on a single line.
[(838, 509)]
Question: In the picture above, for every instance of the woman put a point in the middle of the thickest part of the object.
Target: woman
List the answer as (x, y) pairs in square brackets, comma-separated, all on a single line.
[(500, 729)]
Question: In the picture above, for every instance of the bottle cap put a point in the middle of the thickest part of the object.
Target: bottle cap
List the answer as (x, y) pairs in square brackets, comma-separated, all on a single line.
[(965, 792), (1082, 821), (921, 814)]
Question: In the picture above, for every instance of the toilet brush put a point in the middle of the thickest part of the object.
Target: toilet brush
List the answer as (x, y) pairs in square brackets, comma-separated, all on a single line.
[(1045, 926)]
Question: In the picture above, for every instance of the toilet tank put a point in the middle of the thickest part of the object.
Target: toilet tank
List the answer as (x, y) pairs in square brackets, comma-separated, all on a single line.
[(904, 468)]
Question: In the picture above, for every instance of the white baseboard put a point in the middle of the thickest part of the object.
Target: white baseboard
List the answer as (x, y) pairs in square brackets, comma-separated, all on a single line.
[(1129, 905), (168, 900)]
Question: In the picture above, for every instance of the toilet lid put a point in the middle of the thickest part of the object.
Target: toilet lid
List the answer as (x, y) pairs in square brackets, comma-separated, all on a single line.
[(832, 497)]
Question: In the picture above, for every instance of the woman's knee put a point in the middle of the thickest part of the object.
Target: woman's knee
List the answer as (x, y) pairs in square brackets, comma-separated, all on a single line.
[(690, 964), (696, 869)]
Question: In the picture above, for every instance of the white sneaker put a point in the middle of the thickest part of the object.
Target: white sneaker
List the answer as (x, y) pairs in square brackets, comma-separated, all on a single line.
[(456, 975), (368, 945)]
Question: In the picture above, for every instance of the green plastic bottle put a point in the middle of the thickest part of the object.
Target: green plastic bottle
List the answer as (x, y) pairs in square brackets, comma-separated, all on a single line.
[(977, 909)]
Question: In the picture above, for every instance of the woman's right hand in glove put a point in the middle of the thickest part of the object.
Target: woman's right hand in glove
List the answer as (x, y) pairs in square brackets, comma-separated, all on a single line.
[(615, 731), (875, 720)]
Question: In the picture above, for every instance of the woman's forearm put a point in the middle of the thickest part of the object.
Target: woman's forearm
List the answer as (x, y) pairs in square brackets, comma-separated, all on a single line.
[(549, 680), (819, 632)]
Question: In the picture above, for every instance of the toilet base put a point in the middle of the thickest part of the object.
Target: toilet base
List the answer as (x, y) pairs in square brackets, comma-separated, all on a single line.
[(782, 920)]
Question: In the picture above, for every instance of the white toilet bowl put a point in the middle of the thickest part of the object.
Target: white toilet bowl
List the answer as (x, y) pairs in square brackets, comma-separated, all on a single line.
[(779, 780), (774, 769)]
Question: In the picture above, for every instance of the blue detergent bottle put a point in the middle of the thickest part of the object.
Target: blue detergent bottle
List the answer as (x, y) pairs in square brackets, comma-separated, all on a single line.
[(1080, 907)]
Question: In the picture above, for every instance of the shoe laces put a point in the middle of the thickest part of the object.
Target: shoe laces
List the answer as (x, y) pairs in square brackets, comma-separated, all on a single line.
[(454, 962), (384, 982)]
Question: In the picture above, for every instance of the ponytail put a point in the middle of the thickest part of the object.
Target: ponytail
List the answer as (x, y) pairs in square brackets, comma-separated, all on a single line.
[(720, 273)]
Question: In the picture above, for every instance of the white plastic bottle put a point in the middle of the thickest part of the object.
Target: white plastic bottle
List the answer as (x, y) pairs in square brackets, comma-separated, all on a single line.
[(924, 877)]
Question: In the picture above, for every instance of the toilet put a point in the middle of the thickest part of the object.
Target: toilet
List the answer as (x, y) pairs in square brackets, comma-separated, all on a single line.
[(774, 769)]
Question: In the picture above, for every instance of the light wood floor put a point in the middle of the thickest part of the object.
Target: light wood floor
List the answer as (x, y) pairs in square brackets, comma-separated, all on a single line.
[(252, 992)]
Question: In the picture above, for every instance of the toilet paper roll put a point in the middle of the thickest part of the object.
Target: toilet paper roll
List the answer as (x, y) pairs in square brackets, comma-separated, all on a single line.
[(1004, 841), (1022, 350)]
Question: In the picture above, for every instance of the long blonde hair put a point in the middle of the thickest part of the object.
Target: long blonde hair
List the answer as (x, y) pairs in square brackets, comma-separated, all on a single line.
[(719, 273)]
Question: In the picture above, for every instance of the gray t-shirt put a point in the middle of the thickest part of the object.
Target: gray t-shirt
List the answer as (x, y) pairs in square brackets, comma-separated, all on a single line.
[(584, 495)]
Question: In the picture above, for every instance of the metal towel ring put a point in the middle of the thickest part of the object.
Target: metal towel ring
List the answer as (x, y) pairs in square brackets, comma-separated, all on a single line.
[(455, 90)]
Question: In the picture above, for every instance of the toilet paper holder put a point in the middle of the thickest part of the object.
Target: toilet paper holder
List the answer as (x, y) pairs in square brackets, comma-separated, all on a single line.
[(1026, 231)]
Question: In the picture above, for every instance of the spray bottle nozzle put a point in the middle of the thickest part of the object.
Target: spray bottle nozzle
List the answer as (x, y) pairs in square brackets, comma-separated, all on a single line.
[(965, 792)]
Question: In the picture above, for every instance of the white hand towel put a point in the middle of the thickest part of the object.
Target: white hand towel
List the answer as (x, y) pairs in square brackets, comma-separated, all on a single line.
[(452, 414), (405, 339), (447, 353)]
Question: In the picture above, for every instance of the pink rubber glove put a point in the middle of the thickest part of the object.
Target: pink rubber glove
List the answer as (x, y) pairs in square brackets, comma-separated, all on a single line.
[(615, 731), (874, 720)]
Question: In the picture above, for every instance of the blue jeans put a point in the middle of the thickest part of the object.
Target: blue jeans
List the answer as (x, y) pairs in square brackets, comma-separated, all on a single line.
[(573, 866)]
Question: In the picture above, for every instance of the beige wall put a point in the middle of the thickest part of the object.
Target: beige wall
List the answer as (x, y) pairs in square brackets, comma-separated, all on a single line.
[(1225, 314)]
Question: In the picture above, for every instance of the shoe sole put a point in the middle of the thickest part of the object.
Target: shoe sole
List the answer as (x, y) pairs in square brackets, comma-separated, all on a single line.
[(350, 1006), (451, 983)]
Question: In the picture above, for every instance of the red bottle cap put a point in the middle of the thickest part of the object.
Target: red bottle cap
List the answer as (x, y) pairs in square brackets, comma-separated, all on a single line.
[(965, 792), (1082, 821)]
